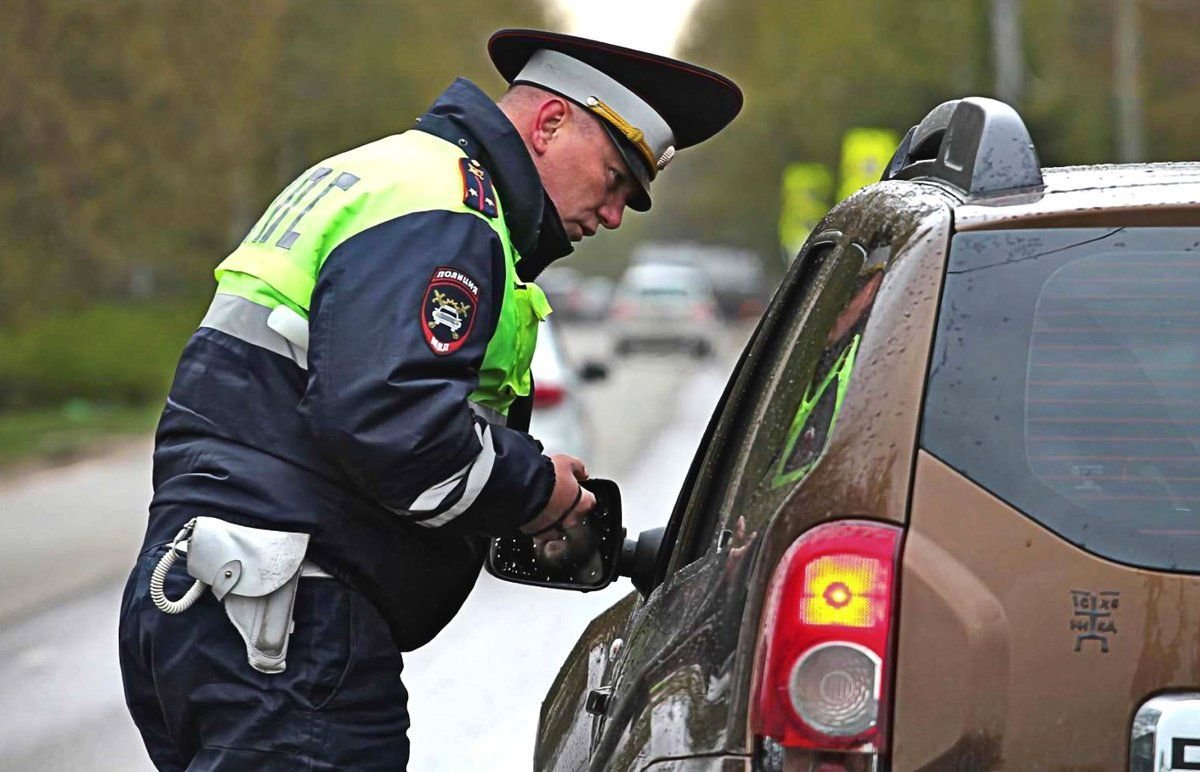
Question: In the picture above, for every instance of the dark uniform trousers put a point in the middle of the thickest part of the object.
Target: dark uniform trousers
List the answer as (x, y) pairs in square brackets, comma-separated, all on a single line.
[(338, 705)]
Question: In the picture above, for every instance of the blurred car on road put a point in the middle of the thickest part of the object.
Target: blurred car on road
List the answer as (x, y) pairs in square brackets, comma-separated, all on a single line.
[(596, 293), (575, 296), (560, 418), (664, 306), (563, 286), (945, 516), (738, 280)]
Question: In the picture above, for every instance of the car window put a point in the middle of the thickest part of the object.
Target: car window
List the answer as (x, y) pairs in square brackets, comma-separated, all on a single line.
[(1064, 380), (788, 404), (799, 410)]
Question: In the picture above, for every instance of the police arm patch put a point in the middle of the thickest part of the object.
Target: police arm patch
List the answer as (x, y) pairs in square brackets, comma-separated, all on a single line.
[(478, 193), (449, 310)]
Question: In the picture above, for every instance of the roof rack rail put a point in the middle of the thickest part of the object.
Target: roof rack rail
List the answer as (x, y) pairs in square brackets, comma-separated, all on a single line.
[(978, 145)]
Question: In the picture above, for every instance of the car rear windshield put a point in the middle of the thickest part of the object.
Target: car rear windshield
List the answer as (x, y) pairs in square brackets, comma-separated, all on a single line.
[(1066, 380)]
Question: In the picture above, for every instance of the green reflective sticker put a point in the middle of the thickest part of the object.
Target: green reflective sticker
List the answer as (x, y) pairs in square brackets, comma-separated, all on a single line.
[(814, 420)]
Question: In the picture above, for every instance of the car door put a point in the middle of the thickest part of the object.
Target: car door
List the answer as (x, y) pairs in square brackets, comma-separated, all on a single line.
[(567, 727), (671, 688)]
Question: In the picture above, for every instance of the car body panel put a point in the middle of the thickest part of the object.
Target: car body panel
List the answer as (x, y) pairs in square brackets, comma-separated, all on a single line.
[(565, 729), (1017, 650), (992, 605), (866, 467), (683, 677), (703, 764), (1135, 194)]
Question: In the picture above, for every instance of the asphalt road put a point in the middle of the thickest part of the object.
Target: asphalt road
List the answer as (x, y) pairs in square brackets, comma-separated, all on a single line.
[(68, 536)]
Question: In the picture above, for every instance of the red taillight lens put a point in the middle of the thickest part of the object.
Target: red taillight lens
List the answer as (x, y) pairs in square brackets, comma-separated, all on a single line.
[(622, 309), (548, 394), (823, 670)]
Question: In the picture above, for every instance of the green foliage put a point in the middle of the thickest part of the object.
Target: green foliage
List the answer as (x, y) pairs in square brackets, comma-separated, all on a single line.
[(143, 137), (69, 432), (108, 354), (812, 70)]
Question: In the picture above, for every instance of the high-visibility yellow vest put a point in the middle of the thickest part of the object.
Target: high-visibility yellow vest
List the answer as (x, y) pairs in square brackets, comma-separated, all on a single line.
[(280, 258)]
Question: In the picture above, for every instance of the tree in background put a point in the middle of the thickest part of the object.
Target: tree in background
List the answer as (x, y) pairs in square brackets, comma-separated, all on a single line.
[(812, 70), (143, 137)]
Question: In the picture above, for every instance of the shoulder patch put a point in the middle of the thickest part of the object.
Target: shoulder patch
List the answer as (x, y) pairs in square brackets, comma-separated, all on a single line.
[(448, 311), (478, 193)]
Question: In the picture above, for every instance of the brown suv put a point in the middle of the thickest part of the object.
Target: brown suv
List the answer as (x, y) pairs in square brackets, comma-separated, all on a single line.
[(945, 516)]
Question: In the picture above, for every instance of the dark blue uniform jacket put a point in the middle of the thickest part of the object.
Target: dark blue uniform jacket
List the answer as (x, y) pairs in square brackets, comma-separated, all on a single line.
[(339, 451)]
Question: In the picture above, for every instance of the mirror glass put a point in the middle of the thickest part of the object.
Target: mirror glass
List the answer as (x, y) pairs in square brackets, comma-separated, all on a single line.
[(583, 558)]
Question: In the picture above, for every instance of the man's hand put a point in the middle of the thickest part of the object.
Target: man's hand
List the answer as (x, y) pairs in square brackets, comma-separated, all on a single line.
[(568, 471)]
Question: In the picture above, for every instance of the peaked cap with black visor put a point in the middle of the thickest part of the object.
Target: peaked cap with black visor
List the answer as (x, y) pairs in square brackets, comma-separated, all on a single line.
[(650, 106)]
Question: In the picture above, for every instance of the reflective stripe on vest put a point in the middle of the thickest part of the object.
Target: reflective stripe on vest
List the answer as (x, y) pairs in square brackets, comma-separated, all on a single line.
[(246, 320), (476, 473), (260, 326), (250, 322), (278, 262), (487, 414)]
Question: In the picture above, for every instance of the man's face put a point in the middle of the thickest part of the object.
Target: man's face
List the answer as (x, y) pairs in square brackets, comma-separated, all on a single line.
[(586, 177)]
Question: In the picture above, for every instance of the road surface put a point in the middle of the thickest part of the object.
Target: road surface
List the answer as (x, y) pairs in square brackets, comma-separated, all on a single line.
[(67, 537)]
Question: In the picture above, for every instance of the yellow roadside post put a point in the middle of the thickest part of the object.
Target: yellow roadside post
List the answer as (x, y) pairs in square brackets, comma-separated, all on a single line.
[(804, 201), (865, 154)]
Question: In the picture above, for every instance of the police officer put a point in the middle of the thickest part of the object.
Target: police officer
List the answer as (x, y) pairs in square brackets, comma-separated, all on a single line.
[(345, 430)]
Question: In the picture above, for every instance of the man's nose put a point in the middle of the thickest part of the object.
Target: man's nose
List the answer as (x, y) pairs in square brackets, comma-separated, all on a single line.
[(611, 214)]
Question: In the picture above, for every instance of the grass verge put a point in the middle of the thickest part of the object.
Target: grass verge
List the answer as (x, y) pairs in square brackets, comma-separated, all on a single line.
[(58, 436)]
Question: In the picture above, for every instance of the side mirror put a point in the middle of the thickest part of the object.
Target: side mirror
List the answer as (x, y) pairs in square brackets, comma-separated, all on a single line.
[(592, 371), (514, 559), (639, 559)]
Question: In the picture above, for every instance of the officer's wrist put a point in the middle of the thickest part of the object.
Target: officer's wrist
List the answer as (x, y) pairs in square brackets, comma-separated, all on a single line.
[(543, 491)]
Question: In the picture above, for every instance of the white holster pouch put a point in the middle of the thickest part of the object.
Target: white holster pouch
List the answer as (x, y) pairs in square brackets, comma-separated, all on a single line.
[(252, 571)]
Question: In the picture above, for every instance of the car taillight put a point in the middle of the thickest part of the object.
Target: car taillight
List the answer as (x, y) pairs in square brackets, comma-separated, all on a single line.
[(548, 394), (622, 309), (702, 312), (823, 671)]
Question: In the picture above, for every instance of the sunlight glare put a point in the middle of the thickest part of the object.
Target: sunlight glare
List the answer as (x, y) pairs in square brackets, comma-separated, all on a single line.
[(648, 25)]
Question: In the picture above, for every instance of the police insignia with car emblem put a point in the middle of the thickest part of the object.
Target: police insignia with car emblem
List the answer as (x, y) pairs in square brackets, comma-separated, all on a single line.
[(448, 312)]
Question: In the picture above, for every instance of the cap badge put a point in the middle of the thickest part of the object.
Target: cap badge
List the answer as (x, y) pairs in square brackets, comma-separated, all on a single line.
[(666, 157), (632, 133)]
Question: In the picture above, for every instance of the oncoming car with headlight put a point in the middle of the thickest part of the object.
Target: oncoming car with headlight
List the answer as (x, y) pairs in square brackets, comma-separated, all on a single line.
[(945, 516)]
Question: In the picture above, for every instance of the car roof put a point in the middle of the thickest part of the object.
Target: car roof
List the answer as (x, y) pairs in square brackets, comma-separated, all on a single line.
[(1080, 192), (980, 152)]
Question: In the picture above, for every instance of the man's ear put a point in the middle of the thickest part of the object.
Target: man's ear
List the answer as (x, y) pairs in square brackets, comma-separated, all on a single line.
[(550, 118)]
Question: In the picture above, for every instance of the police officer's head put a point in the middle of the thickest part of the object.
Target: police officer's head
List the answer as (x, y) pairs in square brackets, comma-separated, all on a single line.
[(602, 121)]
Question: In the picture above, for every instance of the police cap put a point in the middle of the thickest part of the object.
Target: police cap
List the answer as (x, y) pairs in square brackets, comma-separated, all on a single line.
[(651, 106)]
